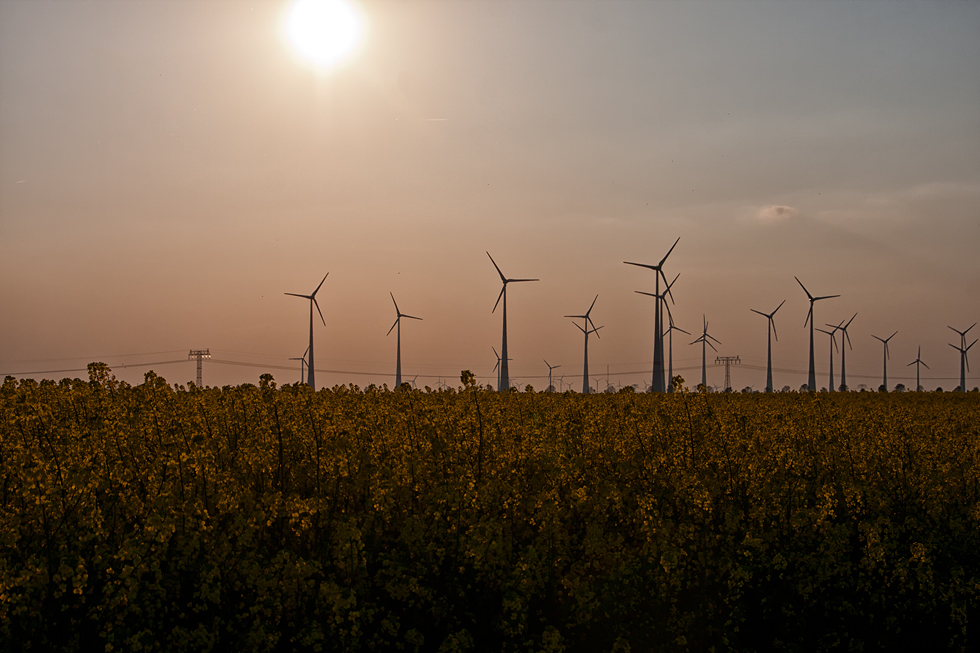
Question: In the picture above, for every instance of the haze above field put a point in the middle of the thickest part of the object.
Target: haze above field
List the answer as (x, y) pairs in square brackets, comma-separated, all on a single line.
[(168, 170)]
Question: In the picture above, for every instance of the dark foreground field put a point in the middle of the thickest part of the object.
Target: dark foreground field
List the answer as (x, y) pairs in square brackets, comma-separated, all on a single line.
[(263, 519)]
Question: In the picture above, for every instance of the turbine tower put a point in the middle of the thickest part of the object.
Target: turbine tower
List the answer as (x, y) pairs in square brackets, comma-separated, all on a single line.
[(662, 297), (704, 341), (311, 371), (833, 346), (885, 357), (772, 331), (658, 336), (496, 368), (587, 330), (811, 375), (917, 362), (843, 352), (398, 337), (964, 363), (504, 381), (551, 387)]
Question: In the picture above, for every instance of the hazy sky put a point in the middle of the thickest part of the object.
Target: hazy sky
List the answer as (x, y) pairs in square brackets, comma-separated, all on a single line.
[(169, 169)]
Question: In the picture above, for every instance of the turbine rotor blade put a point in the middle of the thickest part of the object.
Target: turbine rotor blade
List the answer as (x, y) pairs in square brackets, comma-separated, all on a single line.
[(319, 311), (648, 294), (502, 277), (292, 294), (804, 289), (643, 265), (519, 280), (773, 323), (321, 283), (394, 302), (502, 291), (392, 327), (669, 251), (755, 311), (593, 304), (409, 316), (778, 307), (817, 299)]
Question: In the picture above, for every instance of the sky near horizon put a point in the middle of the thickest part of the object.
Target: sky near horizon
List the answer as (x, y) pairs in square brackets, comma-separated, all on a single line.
[(169, 169)]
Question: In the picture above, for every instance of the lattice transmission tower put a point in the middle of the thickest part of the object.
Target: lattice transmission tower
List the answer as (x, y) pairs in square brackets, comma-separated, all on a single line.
[(200, 355), (727, 361)]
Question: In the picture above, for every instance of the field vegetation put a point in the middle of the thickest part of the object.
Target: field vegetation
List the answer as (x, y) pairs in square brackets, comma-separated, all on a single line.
[(255, 518)]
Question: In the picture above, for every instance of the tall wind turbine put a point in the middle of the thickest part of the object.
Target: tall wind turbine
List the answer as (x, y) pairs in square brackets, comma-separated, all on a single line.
[(663, 297), (398, 336), (504, 381), (964, 363), (658, 336), (311, 369), (843, 352), (551, 388), (812, 374), (833, 346), (917, 362), (703, 339), (885, 357), (772, 331), (590, 327)]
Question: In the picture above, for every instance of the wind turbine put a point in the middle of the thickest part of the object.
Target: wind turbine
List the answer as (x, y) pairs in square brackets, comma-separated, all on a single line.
[(662, 297), (917, 362), (843, 352), (964, 363), (398, 336), (504, 382), (311, 371), (302, 364), (811, 375), (670, 350), (551, 388), (496, 368), (587, 330), (885, 357), (833, 346), (772, 331), (703, 339), (658, 338)]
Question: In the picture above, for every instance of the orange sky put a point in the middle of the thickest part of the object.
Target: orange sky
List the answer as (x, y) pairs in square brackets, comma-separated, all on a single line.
[(169, 170)]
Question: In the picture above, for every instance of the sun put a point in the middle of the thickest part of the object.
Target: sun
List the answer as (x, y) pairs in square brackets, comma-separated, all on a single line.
[(325, 32)]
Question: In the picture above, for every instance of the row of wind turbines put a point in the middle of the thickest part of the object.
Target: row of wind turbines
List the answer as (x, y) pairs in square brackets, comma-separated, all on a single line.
[(658, 382)]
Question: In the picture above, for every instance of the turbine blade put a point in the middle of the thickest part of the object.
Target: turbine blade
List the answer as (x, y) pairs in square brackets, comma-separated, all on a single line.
[(595, 330), (319, 311), (773, 323), (394, 302), (927, 367), (713, 338), (668, 252), (578, 327), (502, 291), (495, 353), (648, 294), (759, 312), (519, 280), (642, 265), (849, 345), (582, 316), (321, 283), (892, 336), (778, 307), (667, 292), (809, 315), (411, 317), (849, 322), (292, 294), (392, 327), (804, 289), (502, 277), (711, 345), (593, 304), (877, 338), (816, 299)]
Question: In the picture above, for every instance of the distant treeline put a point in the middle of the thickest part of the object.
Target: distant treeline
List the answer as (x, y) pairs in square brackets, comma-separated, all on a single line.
[(257, 518)]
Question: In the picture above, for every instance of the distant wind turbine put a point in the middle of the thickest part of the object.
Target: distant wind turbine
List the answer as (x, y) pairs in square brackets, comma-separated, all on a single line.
[(551, 387), (964, 363), (670, 350), (772, 332), (398, 336), (885, 357), (590, 327), (658, 384), (812, 374), (917, 362), (704, 340), (504, 381), (843, 352), (833, 346), (302, 364), (496, 368), (311, 369)]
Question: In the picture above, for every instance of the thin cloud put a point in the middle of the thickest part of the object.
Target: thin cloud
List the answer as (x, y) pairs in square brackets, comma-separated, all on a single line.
[(777, 213)]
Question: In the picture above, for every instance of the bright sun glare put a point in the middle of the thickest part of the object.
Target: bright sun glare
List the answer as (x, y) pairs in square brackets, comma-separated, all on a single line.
[(324, 31)]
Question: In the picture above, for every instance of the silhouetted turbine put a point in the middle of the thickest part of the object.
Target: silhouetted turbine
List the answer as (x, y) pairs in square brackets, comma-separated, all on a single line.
[(843, 352), (551, 387), (833, 346), (964, 364), (587, 330), (504, 380), (661, 297), (302, 364), (885, 357), (703, 339), (771, 332), (812, 374), (658, 338), (496, 368), (917, 362), (311, 371), (670, 350), (398, 337)]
